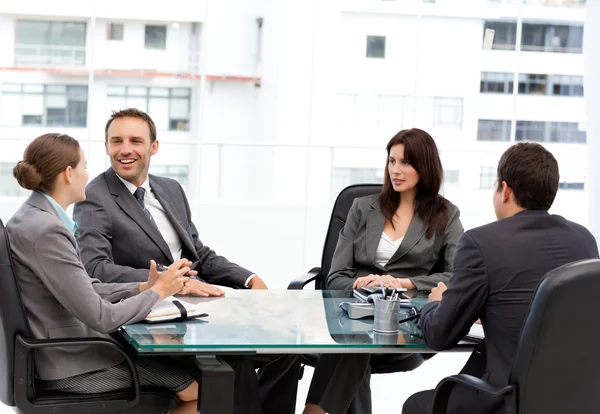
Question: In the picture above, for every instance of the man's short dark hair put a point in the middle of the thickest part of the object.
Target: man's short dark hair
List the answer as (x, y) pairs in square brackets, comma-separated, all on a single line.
[(531, 171), (132, 113)]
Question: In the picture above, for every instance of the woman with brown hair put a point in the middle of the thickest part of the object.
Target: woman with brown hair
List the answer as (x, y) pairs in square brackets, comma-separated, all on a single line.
[(404, 237), (62, 301)]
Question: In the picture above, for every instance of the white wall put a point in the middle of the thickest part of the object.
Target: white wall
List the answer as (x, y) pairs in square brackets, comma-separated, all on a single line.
[(171, 11), (131, 53)]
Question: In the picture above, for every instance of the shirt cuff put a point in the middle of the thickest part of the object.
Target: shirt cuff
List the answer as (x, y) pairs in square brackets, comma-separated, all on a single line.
[(249, 279)]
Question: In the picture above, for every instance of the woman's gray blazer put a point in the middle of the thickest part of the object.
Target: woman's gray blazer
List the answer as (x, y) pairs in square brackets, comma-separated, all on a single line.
[(60, 299), (415, 258)]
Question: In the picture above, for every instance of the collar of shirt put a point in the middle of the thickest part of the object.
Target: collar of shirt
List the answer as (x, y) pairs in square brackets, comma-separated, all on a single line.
[(145, 185), (68, 221)]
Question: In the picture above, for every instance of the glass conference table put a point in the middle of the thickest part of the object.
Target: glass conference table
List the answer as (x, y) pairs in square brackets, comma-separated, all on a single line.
[(268, 322)]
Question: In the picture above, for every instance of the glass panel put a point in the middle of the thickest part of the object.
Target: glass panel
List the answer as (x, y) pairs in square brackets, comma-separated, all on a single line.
[(376, 46), (139, 103), (56, 101), (180, 92), (115, 31), (137, 91), (33, 104), (493, 130), (33, 32), (11, 87), (61, 89), (159, 92), (179, 115), (67, 34), (115, 103), (156, 37), (246, 173), (10, 110), (159, 111), (33, 88), (179, 173), (116, 90), (505, 34), (9, 187)]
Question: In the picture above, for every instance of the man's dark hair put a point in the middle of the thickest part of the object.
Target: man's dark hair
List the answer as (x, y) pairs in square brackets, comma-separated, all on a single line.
[(132, 113), (531, 171)]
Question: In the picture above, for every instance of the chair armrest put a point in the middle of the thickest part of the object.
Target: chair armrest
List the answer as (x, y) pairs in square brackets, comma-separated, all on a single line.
[(301, 281), (22, 369), (446, 385)]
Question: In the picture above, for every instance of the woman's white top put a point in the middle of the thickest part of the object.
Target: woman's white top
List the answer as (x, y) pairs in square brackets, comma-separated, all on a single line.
[(386, 249)]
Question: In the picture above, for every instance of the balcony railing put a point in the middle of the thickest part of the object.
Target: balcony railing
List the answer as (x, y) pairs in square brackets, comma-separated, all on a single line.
[(49, 55)]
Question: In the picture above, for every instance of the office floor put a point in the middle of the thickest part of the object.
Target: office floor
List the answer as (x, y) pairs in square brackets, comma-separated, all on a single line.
[(389, 391)]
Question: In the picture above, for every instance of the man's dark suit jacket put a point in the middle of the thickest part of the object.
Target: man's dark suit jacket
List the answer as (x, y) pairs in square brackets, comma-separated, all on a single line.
[(497, 268), (117, 239)]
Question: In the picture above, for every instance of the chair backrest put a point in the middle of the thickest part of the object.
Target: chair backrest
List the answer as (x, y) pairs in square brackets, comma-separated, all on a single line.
[(339, 214), (12, 319), (557, 363)]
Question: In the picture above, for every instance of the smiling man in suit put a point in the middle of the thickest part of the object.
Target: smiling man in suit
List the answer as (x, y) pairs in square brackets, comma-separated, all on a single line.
[(130, 217)]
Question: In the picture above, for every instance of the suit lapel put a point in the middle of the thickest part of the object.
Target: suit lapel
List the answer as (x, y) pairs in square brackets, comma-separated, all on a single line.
[(375, 224), (170, 211), (127, 202), (414, 233)]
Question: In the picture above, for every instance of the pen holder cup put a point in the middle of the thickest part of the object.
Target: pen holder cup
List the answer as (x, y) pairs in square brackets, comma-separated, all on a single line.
[(385, 338), (387, 315)]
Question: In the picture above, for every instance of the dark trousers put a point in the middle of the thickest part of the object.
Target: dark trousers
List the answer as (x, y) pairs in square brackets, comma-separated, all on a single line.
[(341, 383), (272, 391)]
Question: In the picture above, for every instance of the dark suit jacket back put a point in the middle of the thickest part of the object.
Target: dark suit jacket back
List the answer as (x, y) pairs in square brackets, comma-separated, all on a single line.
[(117, 239), (497, 268)]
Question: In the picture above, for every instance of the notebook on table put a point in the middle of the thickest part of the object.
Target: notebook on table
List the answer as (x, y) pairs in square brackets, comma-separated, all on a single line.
[(173, 309)]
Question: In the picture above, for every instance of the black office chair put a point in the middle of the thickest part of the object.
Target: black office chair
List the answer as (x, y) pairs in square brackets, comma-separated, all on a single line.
[(17, 367), (336, 224), (557, 364)]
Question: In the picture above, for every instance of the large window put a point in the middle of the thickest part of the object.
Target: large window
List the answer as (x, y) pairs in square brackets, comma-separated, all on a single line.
[(496, 82), (540, 131), (565, 85), (549, 38), (43, 105), (537, 37), (493, 130), (534, 84), (50, 42), (168, 107), (505, 35)]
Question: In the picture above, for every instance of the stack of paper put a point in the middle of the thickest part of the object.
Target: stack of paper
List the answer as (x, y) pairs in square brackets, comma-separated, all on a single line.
[(166, 310)]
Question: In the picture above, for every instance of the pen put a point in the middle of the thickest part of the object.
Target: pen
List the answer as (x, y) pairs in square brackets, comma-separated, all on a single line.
[(162, 268), (382, 288)]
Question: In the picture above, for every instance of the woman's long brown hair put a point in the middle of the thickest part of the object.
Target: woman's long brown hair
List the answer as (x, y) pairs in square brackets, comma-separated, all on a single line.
[(422, 154)]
